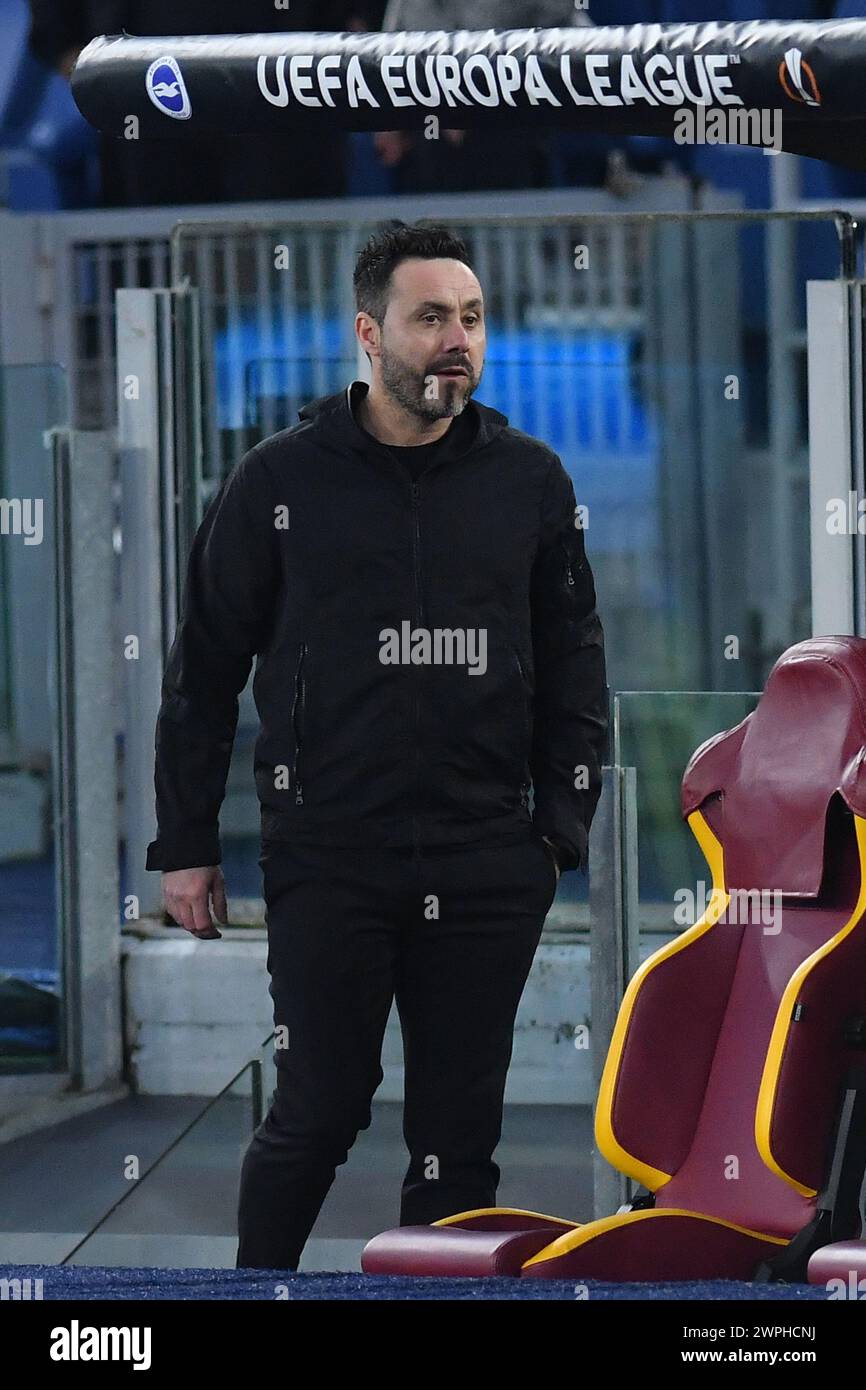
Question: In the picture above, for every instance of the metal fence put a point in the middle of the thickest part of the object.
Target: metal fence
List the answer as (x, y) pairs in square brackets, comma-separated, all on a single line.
[(59, 272), (97, 269), (277, 316)]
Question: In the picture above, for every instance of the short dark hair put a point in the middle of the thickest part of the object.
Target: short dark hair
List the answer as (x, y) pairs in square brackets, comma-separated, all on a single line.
[(387, 247)]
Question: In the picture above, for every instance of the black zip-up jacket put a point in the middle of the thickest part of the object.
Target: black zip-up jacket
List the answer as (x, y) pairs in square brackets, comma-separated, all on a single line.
[(317, 548)]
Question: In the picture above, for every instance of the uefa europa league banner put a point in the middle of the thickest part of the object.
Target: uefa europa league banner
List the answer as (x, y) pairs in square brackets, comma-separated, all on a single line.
[(723, 81)]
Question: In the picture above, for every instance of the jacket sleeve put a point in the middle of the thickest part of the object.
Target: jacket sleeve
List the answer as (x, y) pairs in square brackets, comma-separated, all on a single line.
[(226, 615), (571, 694)]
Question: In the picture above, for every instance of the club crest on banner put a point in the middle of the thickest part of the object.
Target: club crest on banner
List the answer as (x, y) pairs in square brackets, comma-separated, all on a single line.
[(167, 89)]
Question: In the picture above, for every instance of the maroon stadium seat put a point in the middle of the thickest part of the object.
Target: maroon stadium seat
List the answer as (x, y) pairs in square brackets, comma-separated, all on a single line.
[(734, 1089)]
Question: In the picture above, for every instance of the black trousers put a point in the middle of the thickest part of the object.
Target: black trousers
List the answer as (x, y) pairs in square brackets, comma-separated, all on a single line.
[(451, 935)]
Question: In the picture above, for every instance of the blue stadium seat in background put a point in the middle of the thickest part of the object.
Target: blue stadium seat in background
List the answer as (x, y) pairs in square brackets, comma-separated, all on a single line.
[(368, 177), (13, 37), (48, 152)]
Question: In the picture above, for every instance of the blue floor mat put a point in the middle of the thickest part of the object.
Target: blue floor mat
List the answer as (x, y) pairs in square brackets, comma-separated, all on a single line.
[(94, 1282)]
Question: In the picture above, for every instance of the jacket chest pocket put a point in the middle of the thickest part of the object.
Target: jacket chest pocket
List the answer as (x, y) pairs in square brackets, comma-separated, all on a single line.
[(572, 565), (299, 706)]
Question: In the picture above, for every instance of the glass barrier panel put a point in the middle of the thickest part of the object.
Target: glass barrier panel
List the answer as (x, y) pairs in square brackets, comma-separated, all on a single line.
[(33, 399), (656, 732), (181, 1212)]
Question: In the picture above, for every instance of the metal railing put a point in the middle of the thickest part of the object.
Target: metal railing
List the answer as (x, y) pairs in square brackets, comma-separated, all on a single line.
[(61, 270), (249, 1081)]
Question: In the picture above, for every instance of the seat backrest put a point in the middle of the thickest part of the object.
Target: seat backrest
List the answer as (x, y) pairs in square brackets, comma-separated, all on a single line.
[(777, 770), (726, 1069)]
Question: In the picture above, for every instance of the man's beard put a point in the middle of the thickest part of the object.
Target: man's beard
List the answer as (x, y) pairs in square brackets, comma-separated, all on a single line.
[(414, 390)]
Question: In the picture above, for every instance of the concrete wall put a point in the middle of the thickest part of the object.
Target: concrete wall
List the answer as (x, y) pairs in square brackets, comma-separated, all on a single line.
[(196, 1011)]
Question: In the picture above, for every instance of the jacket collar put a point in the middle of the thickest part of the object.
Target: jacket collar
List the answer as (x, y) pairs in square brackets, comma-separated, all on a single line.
[(337, 415)]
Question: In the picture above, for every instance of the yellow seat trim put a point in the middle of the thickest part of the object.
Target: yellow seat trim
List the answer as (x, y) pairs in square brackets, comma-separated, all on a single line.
[(783, 1022), (500, 1211), (572, 1240), (607, 1142)]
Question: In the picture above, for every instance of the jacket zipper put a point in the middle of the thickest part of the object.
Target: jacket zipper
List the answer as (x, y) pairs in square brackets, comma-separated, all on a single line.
[(524, 786), (416, 558), (569, 572), (520, 670), (416, 551), (298, 705), (569, 575)]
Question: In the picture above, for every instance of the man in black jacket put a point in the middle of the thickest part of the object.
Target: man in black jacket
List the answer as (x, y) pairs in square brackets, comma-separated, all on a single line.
[(409, 573)]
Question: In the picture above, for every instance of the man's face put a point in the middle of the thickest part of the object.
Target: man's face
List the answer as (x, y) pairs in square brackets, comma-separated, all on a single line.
[(430, 348)]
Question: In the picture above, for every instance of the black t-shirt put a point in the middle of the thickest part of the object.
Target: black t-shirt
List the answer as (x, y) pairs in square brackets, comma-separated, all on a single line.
[(416, 457)]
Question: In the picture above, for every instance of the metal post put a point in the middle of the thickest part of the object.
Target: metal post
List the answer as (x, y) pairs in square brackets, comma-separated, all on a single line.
[(185, 409), (614, 941), (781, 245), (146, 437), (836, 438), (670, 293), (784, 431), (84, 762), (785, 180), (717, 354)]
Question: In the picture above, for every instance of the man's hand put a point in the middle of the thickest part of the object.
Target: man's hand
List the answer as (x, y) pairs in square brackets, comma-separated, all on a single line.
[(186, 893)]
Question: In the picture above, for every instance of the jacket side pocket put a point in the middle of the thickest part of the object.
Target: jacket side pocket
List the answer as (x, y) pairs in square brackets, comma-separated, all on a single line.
[(298, 712)]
